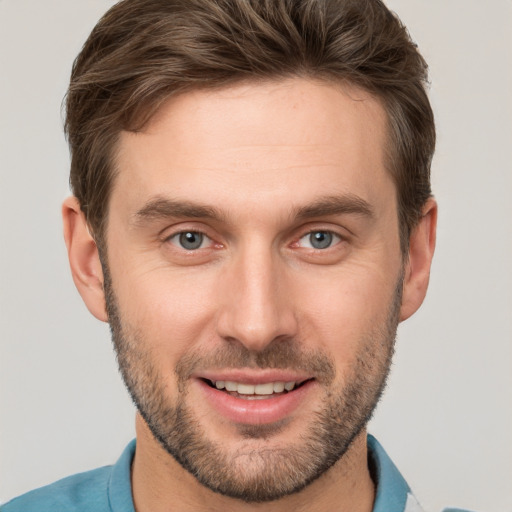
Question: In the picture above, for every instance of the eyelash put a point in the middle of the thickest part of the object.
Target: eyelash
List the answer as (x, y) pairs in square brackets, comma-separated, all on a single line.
[(333, 239), (183, 233)]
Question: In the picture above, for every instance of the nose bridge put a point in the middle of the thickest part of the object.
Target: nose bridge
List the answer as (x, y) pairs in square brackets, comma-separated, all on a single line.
[(256, 307)]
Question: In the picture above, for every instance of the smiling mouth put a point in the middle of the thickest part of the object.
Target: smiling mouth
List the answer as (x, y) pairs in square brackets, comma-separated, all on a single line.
[(255, 391)]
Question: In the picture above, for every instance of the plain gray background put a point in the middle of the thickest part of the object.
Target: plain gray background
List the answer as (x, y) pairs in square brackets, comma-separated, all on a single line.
[(446, 418)]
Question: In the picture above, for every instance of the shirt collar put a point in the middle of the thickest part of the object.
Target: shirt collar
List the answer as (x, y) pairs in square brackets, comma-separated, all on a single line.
[(119, 484), (392, 492)]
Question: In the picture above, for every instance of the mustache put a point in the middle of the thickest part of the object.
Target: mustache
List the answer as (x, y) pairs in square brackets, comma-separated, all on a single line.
[(283, 354)]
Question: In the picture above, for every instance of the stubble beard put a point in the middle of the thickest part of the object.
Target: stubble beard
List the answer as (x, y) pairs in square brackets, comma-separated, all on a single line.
[(255, 474)]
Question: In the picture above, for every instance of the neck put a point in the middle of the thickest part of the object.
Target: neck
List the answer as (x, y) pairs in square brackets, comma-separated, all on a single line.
[(160, 484)]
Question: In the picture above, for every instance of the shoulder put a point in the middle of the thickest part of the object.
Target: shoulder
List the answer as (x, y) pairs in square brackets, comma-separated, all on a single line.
[(78, 493), (106, 489)]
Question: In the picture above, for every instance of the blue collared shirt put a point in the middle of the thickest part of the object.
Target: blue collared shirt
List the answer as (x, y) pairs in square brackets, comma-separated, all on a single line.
[(108, 489)]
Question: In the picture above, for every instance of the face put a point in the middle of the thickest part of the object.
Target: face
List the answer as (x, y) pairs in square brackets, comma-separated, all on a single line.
[(254, 279)]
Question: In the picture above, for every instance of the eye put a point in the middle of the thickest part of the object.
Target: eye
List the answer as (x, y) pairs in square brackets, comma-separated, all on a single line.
[(319, 240), (190, 240)]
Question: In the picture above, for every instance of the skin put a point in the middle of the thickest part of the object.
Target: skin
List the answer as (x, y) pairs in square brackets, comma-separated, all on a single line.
[(258, 154)]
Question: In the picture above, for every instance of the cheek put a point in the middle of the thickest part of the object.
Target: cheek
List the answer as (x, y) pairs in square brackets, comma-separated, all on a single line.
[(342, 309), (171, 309)]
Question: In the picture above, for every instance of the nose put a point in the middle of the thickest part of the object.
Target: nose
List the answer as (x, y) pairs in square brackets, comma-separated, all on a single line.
[(257, 307)]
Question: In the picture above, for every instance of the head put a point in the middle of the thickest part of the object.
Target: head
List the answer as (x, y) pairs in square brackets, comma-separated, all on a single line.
[(252, 209)]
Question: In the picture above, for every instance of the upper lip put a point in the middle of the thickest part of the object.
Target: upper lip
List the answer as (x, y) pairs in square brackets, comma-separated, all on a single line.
[(250, 376)]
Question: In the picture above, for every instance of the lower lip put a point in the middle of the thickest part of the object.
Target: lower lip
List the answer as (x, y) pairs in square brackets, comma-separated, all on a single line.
[(256, 411)]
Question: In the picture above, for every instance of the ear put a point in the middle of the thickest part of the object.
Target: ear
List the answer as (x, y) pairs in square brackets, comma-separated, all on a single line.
[(422, 243), (84, 258)]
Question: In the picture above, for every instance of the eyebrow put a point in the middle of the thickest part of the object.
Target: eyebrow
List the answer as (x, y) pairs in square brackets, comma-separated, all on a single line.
[(163, 208), (335, 205)]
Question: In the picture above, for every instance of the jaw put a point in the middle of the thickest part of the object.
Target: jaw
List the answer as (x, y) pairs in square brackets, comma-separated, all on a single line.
[(347, 485)]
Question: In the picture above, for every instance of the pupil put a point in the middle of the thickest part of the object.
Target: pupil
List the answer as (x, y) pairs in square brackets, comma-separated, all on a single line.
[(320, 239), (191, 240)]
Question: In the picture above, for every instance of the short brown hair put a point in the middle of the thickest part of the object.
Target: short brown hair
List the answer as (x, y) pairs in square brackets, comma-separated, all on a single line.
[(144, 51)]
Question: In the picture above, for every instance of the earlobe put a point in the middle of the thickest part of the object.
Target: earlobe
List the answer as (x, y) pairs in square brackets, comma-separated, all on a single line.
[(84, 258), (417, 269)]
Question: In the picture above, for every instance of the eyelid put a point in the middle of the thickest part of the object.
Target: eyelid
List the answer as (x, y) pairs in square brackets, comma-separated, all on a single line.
[(172, 232), (183, 227), (336, 230), (211, 238)]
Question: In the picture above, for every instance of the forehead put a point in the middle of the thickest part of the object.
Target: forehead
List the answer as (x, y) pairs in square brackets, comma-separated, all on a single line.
[(257, 142)]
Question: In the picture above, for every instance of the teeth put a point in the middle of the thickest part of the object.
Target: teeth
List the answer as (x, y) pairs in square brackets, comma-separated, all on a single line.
[(257, 389), (264, 389), (231, 386), (278, 387), (245, 389)]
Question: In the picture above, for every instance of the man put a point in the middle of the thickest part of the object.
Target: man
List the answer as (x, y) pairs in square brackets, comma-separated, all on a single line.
[(252, 215)]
